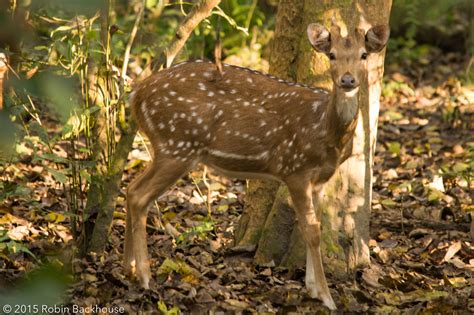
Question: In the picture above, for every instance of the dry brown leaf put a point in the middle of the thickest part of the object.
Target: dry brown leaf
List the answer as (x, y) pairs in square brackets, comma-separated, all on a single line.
[(452, 250)]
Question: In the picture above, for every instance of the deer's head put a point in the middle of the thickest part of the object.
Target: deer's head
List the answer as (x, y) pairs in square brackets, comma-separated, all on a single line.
[(347, 55)]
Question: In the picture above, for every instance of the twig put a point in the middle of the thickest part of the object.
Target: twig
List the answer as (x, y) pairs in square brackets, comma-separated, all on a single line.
[(199, 12), (250, 14), (218, 47), (131, 39), (3, 70)]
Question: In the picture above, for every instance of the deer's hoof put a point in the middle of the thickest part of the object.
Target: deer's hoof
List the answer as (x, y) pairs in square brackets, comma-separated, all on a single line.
[(143, 275), (329, 303), (327, 300), (144, 283)]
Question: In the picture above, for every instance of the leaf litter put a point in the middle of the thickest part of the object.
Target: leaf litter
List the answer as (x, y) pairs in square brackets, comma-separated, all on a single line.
[(421, 249)]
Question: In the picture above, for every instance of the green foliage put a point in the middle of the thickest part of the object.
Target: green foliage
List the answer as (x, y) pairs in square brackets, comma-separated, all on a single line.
[(7, 136), (461, 169), (174, 310), (44, 286), (238, 19), (411, 14), (412, 19), (200, 231)]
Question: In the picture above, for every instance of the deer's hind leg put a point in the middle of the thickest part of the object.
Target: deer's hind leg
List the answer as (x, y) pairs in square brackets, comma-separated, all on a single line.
[(153, 182)]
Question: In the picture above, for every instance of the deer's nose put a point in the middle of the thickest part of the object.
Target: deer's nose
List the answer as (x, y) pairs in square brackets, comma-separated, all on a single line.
[(348, 81)]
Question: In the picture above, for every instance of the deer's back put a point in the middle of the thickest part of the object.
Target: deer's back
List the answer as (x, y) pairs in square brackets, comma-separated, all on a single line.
[(258, 121)]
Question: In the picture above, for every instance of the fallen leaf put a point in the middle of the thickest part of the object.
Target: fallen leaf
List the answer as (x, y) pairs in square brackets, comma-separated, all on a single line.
[(452, 250), (18, 233)]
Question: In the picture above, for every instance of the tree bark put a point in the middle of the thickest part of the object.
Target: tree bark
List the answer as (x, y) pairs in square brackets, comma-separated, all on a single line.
[(346, 203), (260, 198)]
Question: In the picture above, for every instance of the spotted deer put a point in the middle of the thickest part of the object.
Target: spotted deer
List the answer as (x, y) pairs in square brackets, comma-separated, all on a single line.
[(246, 124)]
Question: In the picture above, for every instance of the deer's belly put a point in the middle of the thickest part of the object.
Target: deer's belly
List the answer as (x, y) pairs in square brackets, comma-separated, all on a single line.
[(241, 174), (237, 164)]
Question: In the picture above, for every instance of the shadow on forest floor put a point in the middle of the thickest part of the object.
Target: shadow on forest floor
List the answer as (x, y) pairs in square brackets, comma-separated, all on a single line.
[(422, 255)]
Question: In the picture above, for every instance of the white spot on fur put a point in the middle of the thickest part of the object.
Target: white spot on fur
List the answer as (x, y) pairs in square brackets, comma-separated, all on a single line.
[(315, 105)]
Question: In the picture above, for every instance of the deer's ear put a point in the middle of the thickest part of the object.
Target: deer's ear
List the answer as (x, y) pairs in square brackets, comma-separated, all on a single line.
[(319, 37), (376, 38)]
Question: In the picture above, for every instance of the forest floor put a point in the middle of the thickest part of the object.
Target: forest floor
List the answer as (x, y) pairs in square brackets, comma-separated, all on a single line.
[(422, 253)]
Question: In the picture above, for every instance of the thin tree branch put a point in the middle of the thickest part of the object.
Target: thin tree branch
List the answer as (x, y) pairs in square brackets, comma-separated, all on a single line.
[(199, 12), (131, 39), (3, 70)]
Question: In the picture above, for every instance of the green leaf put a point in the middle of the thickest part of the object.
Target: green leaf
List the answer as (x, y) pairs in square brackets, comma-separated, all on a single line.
[(54, 158), (411, 164), (165, 311), (394, 147), (40, 131), (178, 266), (434, 195), (217, 186), (16, 247), (460, 167), (58, 175), (389, 202), (222, 208), (393, 115), (55, 217)]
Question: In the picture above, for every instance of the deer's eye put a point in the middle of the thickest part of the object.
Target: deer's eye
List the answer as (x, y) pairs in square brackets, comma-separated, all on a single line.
[(364, 56), (332, 56)]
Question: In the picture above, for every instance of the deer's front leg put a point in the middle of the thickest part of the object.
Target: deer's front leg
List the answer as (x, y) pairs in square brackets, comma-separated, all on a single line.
[(301, 194)]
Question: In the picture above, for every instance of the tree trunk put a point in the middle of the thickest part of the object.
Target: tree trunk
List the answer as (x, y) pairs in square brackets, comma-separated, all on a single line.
[(259, 201), (346, 203)]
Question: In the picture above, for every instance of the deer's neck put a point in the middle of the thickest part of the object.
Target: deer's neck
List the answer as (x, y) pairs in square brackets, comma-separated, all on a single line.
[(342, 113)]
